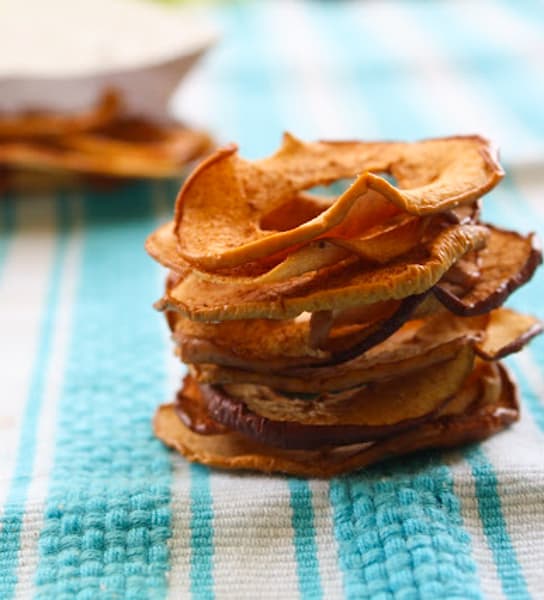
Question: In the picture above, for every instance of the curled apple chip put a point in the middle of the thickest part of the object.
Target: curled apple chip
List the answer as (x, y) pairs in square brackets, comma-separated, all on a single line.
[(223, 210), (236, 451), (357, 284), (507, 262)]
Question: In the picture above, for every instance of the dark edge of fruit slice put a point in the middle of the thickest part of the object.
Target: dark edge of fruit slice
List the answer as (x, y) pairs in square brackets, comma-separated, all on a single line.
[(496, 298), (236, 416), (385, 329), (514, 346)]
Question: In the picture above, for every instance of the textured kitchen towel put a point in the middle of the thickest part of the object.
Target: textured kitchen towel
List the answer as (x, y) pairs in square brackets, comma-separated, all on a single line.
[(93, 506)]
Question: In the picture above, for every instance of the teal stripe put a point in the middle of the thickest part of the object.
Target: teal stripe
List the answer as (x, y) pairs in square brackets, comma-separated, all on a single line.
[(108, 516), (302, 519), (202, 546), (400, 533), (495, 526), (11, 521), (7, 228)]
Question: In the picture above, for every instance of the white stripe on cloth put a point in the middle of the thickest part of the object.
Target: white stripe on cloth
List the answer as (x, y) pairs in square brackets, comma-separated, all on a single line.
[(45, 435), (325, 539), (179, 580), (465, 490), (455, 100), (260, 530), (517, 459), (23, 289)]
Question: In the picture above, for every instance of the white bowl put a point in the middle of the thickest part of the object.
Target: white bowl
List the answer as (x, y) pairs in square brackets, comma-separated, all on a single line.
[(74, 73)]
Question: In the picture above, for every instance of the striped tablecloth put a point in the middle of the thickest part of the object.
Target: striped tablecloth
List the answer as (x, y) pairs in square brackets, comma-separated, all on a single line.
[(92, 506)]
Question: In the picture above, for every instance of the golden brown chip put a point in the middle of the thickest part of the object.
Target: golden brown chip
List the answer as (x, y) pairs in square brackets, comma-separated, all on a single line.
[(356, 285), (376, 404), (270, 345), (417, 345), (507, 262), (235, 451), (221, 209), (507, 332)]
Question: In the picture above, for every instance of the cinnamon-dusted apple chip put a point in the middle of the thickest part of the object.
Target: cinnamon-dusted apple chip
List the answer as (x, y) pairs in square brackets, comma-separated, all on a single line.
[(271, 344), (371, 412), (236, 451), (356, 285), (221, 209), (93, 153)]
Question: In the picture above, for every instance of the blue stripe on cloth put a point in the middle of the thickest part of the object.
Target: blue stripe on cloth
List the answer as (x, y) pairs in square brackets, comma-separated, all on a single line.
[(7, 227), (202, 547), (107, 516), (400, 533), (309, 579), (11, 521), (384, 87)]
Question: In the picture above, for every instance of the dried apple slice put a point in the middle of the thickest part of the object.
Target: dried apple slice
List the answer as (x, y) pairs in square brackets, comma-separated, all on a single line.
[(266, 345), (348, 287), (236, 451), (507, 332), (368, 413), (221, 207), (507, 262)]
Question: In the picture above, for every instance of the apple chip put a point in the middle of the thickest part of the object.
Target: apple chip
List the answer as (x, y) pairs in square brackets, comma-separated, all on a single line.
[(358, 284), (507, 262), (222, 206), (507, 332), (267, 344), (236, 451)]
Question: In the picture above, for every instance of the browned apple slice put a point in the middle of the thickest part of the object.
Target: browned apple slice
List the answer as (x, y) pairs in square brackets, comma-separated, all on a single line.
[(236, 451), (221, 208), (507, 332), (369, 413), (356, 285), (507, 262), (265, 345)]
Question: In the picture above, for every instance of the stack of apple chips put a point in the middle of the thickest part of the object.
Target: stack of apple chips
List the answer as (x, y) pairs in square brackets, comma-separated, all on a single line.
[(104, 141), (325, 333)]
